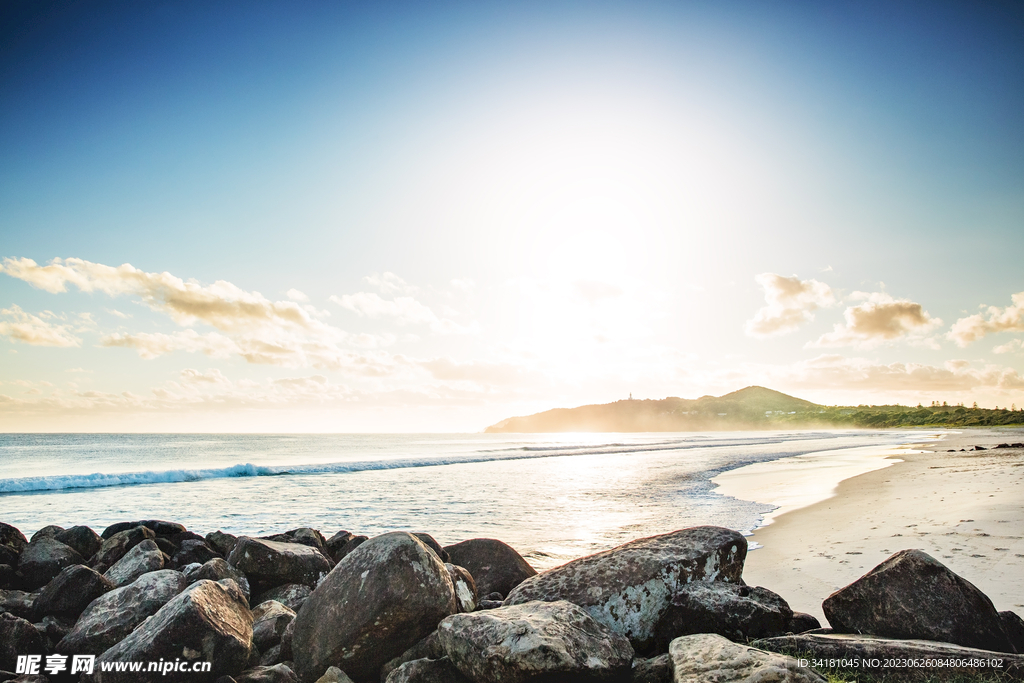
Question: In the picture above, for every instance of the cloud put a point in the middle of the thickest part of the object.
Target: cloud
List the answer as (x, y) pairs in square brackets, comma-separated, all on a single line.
[(790, 301), (404, 310), (296, 295), (480, 372), (31, 329), (389, 283), (879, 320), (151, 345), (1010, 346), (992, 320)]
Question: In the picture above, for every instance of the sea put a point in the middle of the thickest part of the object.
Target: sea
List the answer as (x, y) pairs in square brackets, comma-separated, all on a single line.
[(553, 497)]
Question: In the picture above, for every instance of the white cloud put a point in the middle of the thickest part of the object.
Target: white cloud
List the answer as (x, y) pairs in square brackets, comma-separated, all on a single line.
[(404, 310), (389, 283), (879, 320), (790, 301), (296, 295), (151, 345), (992, 320), (1010, 346), (31, 329)]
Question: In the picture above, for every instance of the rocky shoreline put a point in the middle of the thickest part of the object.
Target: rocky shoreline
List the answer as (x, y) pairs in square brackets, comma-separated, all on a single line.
[(400, 608)]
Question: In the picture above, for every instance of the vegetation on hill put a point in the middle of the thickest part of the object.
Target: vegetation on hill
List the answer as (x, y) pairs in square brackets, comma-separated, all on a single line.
[(750, 408)]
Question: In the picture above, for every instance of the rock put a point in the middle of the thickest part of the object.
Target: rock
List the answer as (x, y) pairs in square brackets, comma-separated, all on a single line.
[(428, 648), (465, 587), (117, 546), (217, 569), (286, 641), (736, 612), (913, 596), (192, 551), (180, 537), (279, 673), (54, 628), (630, 587), (112, 616), (1013, 627), (655, 670), (205, 622), (71, 591), (158, 527), (946, 658), (84, 540), (310, 537), (47, 532), (495, 566), (384, 597), (802, 622), (489, 604), (334, 675), (18, 637), (269, 563), (494, 595), (12, 538), (17, 602), (291, 595), (8, 556), (347, 549), (556, 640), (428, 540), (270, 619), (710, 657), (43, 559), (336, 543), (221, 542), (142, 559), (427, 671), (8, 577), (271, 656)]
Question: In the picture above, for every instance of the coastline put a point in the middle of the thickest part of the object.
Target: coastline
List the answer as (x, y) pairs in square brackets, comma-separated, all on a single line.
[(964, 508)]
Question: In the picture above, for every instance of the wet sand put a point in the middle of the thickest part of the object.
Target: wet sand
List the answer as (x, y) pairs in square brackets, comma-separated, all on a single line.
[(966, 509)]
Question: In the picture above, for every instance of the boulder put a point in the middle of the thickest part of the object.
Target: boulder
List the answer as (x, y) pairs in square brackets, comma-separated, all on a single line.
[(18, 637), (12, 538), (710, 657), (17, 602), (334, 675), (279, 673), (113, 615), (489, 604), (192, 551), (144, 558), (310, 537), (428, 648), (43, 559), (629, 588), (221, 542), (802, 622), (71, 591), (736, 612), (84, 540), (549, 640), (117, 546), (269, 620), (337, 542), (270, 563), (428, 540), (291, 595), (47, 532), (465, 587), (9, 577), (271, 656), (427, 671), (54, 627), (352, 544), (217, 569), (205, 622), (655, 670), (157, 526), (1013, 627), (946, 659), (495, 566), (384, 597), (914, 596)]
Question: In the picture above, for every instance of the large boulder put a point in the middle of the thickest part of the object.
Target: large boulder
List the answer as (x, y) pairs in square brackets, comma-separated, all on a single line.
[(912, 595), (217, 569), (11, 537), (629, 588), (884, 654), (1013, 627), (337, 542), (144, 558), (269, 620), (207, 622), (83, 539), (350, 546), (43, 559), (291, 595), (270, 563), (427, 671), (221, 542), (549, 640), (381, 599), (112, 616), (710, 657), (192, 551), (117, 546), (736, 612), (495, 566), (71, 591), (311, 537), (157, 526), (48, 531), (18, 637)]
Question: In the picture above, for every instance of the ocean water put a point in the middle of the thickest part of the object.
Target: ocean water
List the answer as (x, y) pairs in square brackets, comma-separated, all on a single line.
[(553, 497)]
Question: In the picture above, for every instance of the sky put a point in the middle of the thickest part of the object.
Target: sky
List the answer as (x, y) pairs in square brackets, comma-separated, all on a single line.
[(429, 217)]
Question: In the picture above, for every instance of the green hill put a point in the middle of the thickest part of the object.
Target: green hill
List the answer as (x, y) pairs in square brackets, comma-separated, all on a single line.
[(749, 408)]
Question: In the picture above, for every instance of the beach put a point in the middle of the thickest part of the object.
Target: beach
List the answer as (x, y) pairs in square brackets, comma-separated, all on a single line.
[(964, 508)]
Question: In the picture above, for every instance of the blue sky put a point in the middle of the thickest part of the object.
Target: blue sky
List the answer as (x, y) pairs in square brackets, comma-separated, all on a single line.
[(483, 209)]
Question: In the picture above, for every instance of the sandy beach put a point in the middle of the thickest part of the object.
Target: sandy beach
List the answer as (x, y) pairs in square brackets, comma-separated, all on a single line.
[(965, 508)]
